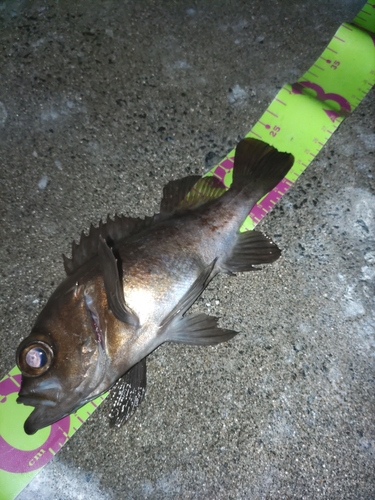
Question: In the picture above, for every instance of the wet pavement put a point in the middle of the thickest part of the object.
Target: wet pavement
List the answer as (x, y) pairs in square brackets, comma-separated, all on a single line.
[(101, 104)]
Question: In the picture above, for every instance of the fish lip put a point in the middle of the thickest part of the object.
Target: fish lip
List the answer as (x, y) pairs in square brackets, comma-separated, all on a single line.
[(35, 401), (29, 428), (47, 398), (36, 420)]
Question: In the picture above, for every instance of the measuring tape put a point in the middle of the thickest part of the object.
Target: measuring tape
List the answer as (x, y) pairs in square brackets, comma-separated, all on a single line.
[(300, 120), (304, 115)]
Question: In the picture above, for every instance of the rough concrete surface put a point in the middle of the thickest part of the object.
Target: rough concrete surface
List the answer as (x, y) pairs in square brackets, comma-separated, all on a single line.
[(103, 102)]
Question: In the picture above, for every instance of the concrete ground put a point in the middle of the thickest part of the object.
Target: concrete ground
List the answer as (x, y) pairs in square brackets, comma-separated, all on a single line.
[(101, 103)]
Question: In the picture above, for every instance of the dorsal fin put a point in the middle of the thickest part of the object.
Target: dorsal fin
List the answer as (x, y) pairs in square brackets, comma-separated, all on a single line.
[(174, 192), (178, 196), (206, 189), (112, 231)]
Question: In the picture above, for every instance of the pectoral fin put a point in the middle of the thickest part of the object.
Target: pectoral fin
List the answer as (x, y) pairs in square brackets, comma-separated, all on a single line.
[(127, 394), (113, 287)]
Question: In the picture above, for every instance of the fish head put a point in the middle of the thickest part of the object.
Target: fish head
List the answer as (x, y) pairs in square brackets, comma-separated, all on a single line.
[(64, 361)]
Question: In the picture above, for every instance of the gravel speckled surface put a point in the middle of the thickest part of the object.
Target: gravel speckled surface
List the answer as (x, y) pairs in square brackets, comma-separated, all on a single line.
[(103, 102)]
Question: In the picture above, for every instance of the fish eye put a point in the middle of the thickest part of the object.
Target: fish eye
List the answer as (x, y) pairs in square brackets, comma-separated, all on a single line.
[(35, 358)]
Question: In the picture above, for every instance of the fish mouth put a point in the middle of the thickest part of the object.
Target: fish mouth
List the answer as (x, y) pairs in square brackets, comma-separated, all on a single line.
[(47, 394), (35, 401), (45, 413), (46, 407)]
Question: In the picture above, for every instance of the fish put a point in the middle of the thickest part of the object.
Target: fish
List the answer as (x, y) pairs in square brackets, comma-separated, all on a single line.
[(130, 283)]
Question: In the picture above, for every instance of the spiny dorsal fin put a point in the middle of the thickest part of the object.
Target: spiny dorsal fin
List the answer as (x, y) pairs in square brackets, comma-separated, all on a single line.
[(112, 231), (183, 194), (206, 189)]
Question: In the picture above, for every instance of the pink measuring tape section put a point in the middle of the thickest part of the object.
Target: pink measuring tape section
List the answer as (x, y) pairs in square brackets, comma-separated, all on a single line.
[(22, 456), (18, 461)]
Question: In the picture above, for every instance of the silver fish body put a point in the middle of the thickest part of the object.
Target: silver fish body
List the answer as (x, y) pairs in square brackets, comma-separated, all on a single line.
[(131, 282)]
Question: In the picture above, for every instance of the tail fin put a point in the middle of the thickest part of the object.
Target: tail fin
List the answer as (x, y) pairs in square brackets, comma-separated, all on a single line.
[(259, 167)]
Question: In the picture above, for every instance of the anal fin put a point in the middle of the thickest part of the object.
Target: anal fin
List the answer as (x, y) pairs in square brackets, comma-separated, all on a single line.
[(198, 329), (251, 249), (127, 394), (194, 329)]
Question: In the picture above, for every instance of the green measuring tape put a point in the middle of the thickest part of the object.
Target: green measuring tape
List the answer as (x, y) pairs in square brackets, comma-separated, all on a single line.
[(300, 120), (304, 115)]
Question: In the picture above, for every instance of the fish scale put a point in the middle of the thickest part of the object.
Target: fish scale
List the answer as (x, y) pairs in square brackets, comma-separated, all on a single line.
[(328, 92)]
